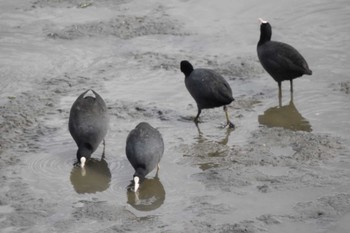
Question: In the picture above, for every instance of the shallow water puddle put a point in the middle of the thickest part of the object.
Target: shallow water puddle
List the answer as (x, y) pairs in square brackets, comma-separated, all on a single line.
[(284, 151), (286, 116)]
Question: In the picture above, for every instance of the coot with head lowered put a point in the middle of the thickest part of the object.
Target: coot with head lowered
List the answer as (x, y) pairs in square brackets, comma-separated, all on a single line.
[(88, 124), (144, 150)]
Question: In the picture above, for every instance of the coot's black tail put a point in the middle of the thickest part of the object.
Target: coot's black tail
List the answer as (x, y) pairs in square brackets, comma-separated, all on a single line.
[(308, 72)]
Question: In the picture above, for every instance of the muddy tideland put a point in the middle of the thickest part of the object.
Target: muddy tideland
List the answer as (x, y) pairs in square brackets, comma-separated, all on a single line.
[(283, 169)]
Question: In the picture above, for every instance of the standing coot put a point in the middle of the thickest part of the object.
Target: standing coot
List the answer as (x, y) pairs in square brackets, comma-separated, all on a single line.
[(208, 88), (144, 149), (280, 60), (88, 124)]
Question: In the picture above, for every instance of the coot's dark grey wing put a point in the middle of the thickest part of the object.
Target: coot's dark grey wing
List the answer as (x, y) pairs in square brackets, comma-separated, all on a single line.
[(209, 88), (88, 120), (144, 147), (282, 61)]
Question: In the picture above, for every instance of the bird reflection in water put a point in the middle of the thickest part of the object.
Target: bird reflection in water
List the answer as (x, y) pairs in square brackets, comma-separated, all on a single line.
[(150, 195), (201, 138), (208, 153), (286, 116), (94, 177)]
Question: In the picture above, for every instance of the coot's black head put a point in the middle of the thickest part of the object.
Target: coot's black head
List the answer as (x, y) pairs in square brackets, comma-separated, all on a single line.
[(265, 32), (84, 153), (140, 172), (139, 176), (186, 68)]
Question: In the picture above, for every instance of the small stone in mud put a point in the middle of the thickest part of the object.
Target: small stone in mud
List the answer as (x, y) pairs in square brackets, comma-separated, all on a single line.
[(85, 5), (320, 214), (268, 219), (345, 87), (263, 188), (140, 109), (52, 35)]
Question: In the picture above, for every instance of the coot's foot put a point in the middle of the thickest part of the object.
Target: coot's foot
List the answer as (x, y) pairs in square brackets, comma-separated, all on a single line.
[(231, 125), (76, 164), (197, 121)]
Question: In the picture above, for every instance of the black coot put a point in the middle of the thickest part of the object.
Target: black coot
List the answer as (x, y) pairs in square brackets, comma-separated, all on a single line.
[(88, 124), (144, 149), (280, 60), (208, 88)]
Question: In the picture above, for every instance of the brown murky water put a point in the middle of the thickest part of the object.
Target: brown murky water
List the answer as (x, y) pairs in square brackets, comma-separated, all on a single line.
[(283, 169)]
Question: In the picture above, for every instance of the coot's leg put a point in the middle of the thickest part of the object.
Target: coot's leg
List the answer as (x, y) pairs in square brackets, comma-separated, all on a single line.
[(158, 167), (227, 135), (196, 118), (229, 123), (280, 94), (104, 146), (199, 130), (291, 90)]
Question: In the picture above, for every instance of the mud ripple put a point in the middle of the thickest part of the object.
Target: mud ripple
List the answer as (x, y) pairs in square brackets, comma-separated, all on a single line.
[(49, 166)]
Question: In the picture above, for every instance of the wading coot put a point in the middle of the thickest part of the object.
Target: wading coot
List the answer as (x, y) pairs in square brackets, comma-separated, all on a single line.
[(208, 88), (280, 60), (144, 149), (88, 124)]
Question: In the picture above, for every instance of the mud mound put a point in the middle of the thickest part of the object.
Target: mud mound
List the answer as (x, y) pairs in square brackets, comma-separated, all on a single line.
[(241, 227), (158, 61), (341, 87), (124, 27), (324, 208), (241, 68), (20, 126), (140, 110), (296, 156), (345, 87), (74, 3), (232, 68)]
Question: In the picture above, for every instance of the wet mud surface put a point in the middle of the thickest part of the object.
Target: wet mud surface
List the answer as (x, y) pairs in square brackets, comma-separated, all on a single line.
[(283, 169)]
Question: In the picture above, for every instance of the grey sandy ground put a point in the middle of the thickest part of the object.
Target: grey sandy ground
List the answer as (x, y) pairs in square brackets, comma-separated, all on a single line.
[(254, 179)]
